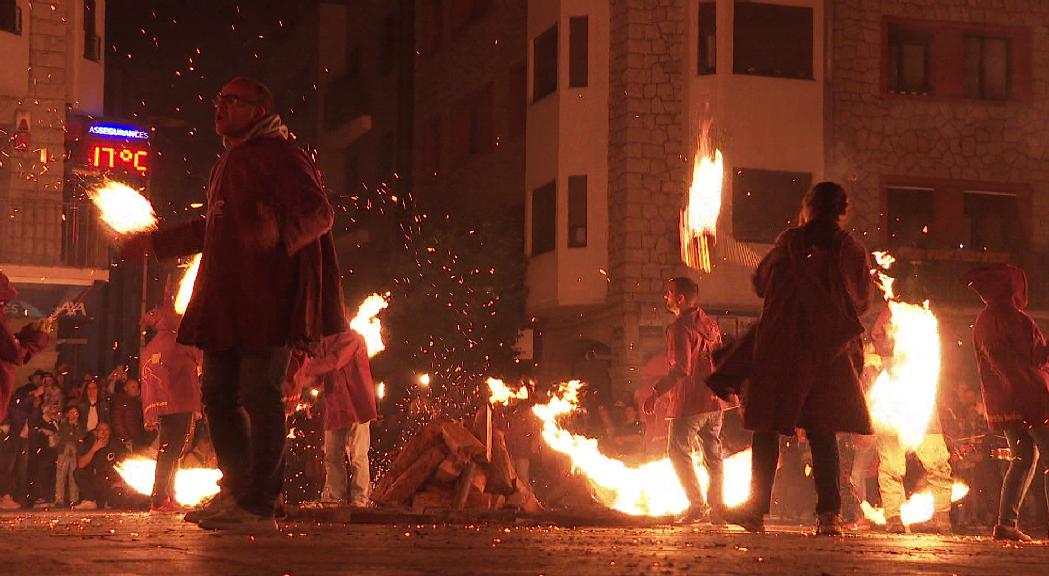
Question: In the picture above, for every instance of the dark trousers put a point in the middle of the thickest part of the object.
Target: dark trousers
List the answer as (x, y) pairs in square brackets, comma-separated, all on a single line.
[(96, 484), (14, 467), (242, 401), (1026, 446), (174, 435), (825, 471)]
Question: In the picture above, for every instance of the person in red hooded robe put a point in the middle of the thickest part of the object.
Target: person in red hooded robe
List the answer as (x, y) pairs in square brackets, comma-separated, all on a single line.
[(349, 407), (170, 399), (1011, 356)]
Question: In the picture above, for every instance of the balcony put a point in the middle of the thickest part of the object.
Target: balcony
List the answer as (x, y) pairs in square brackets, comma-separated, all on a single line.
[(46, 234)]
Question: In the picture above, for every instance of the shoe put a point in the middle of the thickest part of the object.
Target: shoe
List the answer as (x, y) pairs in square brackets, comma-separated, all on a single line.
[(894, 525), (940, 523), (1012, 533), (693, 515), (219, 504), (167, 507), (365, 503), (828, 524), (8, 503), (717, 518), (86, 505), (747, 520), (240, 521), (41, 504)]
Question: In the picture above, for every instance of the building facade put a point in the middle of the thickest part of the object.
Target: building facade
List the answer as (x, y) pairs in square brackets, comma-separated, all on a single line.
[(926, 110)]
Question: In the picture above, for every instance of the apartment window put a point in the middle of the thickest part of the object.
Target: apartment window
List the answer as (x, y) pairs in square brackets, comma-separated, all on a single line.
[(772, 40), (387, 45), (92, 42), (434, 25), (472, 129), (518, 107), (910, 216), (544, 218), (708, 42), (577, 211), (432, 146), (909, 60), (577, 51), (993, 221), (987, 67), (544, 64), (466, 12), (10, 17), (764, 202)]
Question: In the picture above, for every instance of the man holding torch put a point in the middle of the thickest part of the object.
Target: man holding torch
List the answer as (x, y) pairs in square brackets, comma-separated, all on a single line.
[(268, 282), (694, 409)]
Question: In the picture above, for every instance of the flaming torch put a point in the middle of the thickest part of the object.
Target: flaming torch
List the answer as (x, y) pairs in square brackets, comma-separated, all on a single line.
[(123, 209), (699, 218), (185, 286), (651, 489), (366, 322), (192, 485), (500, 393)]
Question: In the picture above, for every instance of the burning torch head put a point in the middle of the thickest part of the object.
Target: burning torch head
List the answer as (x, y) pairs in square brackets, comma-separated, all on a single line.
[(825, 201), (999, 284), (7, 290)]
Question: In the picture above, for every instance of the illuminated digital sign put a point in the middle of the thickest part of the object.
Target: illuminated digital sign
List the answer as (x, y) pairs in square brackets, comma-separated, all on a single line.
[(116, 148)]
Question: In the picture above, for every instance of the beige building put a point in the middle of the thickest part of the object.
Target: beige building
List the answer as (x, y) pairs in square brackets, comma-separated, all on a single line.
[(928, 111)]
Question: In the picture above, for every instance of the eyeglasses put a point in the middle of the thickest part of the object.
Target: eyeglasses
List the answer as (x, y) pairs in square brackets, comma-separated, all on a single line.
[(229, 100)]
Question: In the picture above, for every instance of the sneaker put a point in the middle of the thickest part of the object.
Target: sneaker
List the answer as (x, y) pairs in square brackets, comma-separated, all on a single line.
[(86, 505), (240, 521), (828, 524), (167, 507), (219, 504), (41, 504), (747, 520), (365, 503), (693, 515), (894, 525), (8, 503), (1012, 533), (939, 524)]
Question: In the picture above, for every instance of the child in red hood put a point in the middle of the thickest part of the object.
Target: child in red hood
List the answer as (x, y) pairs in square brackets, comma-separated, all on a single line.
[(15, 349), (1011, 355)]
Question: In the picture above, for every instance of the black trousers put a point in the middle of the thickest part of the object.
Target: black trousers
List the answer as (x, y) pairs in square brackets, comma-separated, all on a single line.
[(174, 435), (825, 471), (14, 467), (242, 402)]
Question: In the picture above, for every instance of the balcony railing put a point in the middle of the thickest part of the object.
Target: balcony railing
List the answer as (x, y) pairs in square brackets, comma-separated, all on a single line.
[(51, 233)]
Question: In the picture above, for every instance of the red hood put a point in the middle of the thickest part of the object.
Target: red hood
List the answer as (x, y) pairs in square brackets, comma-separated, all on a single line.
[(999, 284), (707, 326), (161, 318)]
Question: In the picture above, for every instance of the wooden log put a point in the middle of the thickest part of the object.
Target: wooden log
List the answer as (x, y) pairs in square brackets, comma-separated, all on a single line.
[(414, 449), (502, 477), (462, 488), (431, 498), (449, 469), (461, 441), (409, 482)]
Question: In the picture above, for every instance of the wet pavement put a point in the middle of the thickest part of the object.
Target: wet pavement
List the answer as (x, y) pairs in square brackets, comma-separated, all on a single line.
[(109, 543)]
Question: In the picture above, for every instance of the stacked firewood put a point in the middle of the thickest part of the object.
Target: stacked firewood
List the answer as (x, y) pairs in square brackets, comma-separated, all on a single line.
[(448, 465)]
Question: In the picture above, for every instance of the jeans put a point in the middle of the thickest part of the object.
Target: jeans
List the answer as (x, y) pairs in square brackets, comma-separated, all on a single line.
[(1029, 447), (892, 466), (242, 401), (352, 443), (65, 485), (825, 472), (174, 435), (681, 431)]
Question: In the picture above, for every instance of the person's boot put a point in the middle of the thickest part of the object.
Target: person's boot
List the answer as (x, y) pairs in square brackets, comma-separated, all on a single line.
[(828, 524), (220, 504), (940, 523), (693, 515), (1002, 532), (749, 521), (240, 521), (895, 525)]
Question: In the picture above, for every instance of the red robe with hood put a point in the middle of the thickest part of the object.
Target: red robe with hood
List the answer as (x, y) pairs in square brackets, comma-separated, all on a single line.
[(807, 347), (691, 339), (349, 395), (170, 382), (269, 276), (1011, 350), (15, 349)]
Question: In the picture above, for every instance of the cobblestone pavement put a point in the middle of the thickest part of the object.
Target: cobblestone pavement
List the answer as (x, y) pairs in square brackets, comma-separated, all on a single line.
[(106, 543)]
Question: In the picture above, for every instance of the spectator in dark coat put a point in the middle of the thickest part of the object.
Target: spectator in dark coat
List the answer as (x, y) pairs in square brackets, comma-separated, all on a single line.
[(127, 418)]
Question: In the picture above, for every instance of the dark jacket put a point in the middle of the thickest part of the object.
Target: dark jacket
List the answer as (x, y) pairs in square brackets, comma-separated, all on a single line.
[(1011, 350), (807, 349), (691, 339), (101, 405), (127, 420), (269, 276)]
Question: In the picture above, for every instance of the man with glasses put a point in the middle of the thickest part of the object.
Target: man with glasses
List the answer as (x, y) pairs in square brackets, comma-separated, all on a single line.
[(268, 282)]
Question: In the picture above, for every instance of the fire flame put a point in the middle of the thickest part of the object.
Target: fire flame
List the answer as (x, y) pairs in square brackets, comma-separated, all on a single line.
[(185, 286), (192, 485), (903, 397), (699, 219), (367, 324), (380, 390), (651, 489), (917, 509), (123, 209), (500, 393)]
